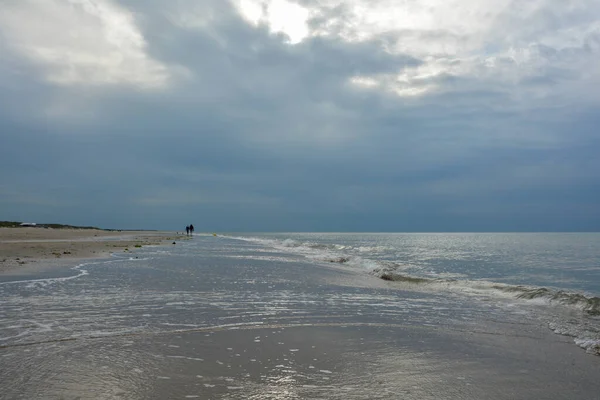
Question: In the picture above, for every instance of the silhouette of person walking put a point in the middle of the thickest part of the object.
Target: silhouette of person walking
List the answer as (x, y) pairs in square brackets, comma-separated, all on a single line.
[(191, 229), (187, 230)]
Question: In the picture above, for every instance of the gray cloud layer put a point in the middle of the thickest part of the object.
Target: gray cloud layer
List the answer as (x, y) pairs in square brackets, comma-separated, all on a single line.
[(157, 114)]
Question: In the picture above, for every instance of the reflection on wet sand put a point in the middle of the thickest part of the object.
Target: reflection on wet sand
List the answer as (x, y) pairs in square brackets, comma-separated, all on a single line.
[(197, 325)]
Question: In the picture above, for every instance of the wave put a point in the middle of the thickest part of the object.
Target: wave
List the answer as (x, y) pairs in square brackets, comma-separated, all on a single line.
[(294, 244), (588, 304), (585, 331), (398, 272), (358, 257)]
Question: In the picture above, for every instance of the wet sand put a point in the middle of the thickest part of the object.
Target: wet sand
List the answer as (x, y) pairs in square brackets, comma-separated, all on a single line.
[(211, 319), (28, 249), (328, 361), (369, 361)]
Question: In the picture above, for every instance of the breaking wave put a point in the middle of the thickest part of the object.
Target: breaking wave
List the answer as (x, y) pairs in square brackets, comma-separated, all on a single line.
[(585, 331), (588, 304)]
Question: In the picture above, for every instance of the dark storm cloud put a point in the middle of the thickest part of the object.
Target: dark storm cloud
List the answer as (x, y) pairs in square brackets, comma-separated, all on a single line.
[(252, 133)]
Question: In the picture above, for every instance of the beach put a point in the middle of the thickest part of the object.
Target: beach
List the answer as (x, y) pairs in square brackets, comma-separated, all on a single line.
[(26, 249), (230, 318)]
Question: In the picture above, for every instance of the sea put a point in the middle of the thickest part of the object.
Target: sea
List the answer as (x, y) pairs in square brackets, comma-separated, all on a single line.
[(311, 315), (558, 271)]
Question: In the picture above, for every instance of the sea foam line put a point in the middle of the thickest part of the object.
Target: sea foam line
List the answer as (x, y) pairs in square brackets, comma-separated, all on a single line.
[(81, 272), (388, 270), (257, 326), (46, 281)]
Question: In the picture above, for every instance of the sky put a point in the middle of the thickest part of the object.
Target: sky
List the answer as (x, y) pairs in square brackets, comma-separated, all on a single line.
[(301, 115)]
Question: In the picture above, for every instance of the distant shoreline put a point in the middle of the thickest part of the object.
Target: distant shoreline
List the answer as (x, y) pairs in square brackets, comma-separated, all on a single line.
[(21, 224), (24, 249)]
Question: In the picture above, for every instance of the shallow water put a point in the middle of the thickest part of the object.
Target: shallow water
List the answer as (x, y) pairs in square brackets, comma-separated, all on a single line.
[(226, 318), (559, 260)]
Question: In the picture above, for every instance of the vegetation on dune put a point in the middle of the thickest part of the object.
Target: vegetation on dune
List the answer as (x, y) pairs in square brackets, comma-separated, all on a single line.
[(9, 224), (16, 224)]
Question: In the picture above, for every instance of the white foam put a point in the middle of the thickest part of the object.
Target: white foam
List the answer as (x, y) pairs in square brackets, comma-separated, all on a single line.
[(351, 256), (543, 303), (591, 346), (33, 283)]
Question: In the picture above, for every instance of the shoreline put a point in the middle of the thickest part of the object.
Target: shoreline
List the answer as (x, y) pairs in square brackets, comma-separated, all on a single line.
[(30, 249), (224, 320)]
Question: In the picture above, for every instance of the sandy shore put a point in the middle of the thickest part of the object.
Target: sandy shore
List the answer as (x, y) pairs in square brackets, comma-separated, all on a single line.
[(25, 248), (218, 318)]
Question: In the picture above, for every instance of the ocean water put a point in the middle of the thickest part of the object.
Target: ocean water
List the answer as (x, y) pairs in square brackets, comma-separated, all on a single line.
[(558, 270), (568, 261), (311, 315)]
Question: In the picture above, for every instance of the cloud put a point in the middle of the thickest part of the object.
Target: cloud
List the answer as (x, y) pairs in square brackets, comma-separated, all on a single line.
[(309, 115), (81, 42)]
